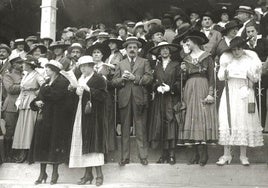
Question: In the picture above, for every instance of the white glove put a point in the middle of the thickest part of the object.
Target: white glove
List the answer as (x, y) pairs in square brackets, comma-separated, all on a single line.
[(166, 87), (160, 89)]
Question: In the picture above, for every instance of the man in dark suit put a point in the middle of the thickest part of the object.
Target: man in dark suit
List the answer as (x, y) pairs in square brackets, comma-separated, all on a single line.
[(132, 75)]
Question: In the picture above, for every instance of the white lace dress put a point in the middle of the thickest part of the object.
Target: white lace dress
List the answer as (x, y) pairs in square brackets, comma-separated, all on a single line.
[(246, 128)]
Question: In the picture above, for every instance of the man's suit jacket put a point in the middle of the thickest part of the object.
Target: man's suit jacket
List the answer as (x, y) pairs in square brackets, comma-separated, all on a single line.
[(214, 39), (137, 88)]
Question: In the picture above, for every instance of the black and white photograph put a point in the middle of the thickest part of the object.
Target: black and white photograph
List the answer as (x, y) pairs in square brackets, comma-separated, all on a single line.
[(134, 93)]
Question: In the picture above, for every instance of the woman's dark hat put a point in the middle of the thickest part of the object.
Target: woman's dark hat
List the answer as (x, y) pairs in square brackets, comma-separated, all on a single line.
[(32, 61), (58, 44), (183, 30), (231, 25), (105, 50), (156, 29), (118, 42), (172, 47), (33, 47), (238, 42), (199, 36)]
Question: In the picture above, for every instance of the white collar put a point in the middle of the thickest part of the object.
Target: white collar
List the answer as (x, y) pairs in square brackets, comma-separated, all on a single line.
[(133, 59)]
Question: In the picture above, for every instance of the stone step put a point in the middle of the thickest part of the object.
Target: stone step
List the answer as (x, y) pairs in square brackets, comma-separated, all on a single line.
[(256, 155), (135, 175)]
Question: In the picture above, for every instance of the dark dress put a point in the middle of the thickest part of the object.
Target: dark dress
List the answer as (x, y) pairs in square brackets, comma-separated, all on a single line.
[(52, 135), (162, 124), (201, 124)]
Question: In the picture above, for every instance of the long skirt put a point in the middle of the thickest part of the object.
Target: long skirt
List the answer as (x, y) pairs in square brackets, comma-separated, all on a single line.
[(201, 125), (77, 159), (246, 128), (24, 129)]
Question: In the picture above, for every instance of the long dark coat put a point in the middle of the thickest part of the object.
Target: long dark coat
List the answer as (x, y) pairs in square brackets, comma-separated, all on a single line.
[(162, 124), (52, 136), (93, 124)]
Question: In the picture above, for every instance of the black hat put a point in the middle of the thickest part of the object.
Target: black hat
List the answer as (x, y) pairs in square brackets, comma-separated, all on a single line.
[(232, 24), (118, 42), (32, 61), (58, 44), (105, 50), (208, 14), (156, 29), (35, 46), (237, 42), (224, 9), (201, 37), (183, 30), (172, 47)]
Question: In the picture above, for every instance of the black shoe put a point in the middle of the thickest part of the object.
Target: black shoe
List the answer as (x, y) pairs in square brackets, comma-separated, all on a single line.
[(54, 179), (172, 160), (84, 180), (162, 160), (99, 181), (42, 177), (194, 160), (123, 162), (144, 161)]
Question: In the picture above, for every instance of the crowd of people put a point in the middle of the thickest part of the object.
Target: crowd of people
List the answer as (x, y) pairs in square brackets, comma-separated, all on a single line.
[(181, 80)]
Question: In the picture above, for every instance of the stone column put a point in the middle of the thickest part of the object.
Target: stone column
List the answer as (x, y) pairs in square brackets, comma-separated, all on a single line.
[(48, 19)]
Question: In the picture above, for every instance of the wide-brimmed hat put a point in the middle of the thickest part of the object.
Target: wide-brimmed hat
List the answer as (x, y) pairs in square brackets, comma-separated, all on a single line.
[(75, 46), (183, 30), (15, 58), (118, 42), (231, 25), (58, 44), (91, 36), (237, 42), (87, 59), (138, 24), (55, 63), (105, 50), (199, 36), (32, 61), (42, 47), (246, 9), (31, 38), (4, 46), (172, 47), (152, 21), (156, 29), (19, 41), (103, 34), (131, 40)]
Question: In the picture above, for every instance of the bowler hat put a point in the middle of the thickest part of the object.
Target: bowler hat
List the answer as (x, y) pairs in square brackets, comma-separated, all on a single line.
[(131, 40), (231, 25), (172, 47), (33, 47), (4, 46), (207, 14), (199, 36)]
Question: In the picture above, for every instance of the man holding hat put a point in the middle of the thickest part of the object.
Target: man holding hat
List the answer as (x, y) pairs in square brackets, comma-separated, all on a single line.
[(132, 76)]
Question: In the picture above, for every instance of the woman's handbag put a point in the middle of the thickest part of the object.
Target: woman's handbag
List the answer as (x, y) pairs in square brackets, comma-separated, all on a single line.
[(88, 108), (251, 105)]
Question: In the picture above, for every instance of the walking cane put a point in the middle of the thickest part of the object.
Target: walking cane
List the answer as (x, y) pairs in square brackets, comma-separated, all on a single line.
[(228, 101), (215, 86), (259, 93), (115, 101)]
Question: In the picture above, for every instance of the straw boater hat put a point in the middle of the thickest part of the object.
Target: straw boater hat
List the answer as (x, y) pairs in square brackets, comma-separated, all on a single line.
[(75, 46), (103, 35), (87, 59), (35, 46), (32, 61), (114, 40), (172, 48), (55, 64), (19, 41), (105, 50), (231, 25), (131, 40), (199, 36), (245, 9), (4, 46), (58, 44)]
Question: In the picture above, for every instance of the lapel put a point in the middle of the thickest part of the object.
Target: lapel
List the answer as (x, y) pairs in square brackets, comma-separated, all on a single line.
[(5, 65), (126, 65), (136, 64)]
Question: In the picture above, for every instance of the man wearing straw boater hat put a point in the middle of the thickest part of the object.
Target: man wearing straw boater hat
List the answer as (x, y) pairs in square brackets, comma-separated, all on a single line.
[(132, 75)]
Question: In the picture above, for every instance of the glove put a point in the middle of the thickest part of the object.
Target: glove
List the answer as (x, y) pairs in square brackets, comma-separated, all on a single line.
[(160, 89), (166, 87)]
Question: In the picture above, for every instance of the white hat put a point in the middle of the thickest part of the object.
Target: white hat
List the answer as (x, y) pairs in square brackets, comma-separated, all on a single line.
[(55, 64), (87, 59)]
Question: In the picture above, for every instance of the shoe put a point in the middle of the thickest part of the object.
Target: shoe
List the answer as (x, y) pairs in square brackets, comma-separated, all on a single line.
[(54, 179), (224, 160), (123, 162), (99, 181), (172, 160), (22, 157), (84, 180), (194, 160), (42, 177), (144, 161), (244, 161), (162, 160)]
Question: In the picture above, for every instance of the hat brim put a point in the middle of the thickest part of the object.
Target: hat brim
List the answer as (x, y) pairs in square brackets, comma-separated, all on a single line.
[(201, 40), (242, 43), (75, 47), (35, 65), (42, 47), (6, 48), (64, 46), (105, 50), (246, 11), (118, 42), (172, 49), (125, 44), (225, 31)]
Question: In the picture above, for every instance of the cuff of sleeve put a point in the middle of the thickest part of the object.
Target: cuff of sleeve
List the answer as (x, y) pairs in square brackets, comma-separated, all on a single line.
[(137, 80)]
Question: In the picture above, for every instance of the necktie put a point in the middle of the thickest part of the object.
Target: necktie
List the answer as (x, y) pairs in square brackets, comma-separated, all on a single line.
[(132, 64)]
